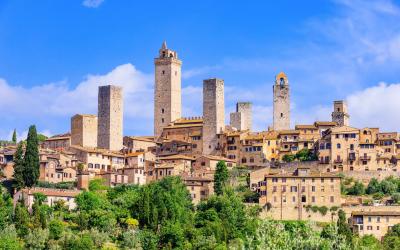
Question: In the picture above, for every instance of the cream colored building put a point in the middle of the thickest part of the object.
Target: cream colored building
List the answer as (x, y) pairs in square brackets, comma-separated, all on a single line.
[(200, 188), (376, 223), (57, 142), (289, 193)]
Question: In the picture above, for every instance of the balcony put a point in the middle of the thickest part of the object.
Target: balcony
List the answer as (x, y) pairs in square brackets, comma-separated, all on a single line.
[(338, 161), (365, 158)]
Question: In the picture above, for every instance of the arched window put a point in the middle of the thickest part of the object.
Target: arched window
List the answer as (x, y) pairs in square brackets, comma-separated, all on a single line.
[(163, 54), (365, 132), (171, 55), (282, 81)]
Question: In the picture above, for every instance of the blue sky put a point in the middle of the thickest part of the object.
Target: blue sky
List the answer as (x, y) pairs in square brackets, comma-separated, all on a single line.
[(54, 54)]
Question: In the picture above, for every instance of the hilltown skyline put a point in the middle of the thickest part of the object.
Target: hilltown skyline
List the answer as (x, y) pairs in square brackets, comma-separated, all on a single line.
[(352, 69)]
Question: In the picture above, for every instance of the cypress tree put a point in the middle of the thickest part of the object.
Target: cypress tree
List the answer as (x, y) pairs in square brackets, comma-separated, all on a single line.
[(31, 159), (14, 137), (19, 167), (220, 177)]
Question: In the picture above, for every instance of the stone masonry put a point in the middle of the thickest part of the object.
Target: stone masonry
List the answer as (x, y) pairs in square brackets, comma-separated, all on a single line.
[(281, 117), (84, 130), (339, 114), (167, 91), (213, 114), (110, 118), (242, 118)]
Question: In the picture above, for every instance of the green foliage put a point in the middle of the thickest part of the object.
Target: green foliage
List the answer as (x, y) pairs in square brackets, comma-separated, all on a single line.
[(41, 138), (306, 154), (19, 167), (357, 189), (288, 157), (396, 198), (9, 239), (97, 185), (31, 158), (37, 239), (59, 185), (343, 227), (392, 238), (14, 137), (220, 177), (56, 229), (6, 208), (387, 187), (368, 242)]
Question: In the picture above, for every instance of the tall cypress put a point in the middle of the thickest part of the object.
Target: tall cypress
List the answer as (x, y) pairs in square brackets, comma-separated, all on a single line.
[(220, 177), (31, 159), (19, 167), (14, 137)]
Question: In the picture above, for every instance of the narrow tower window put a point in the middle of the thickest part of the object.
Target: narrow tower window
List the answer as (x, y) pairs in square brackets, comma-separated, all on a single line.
[(281, 114), (282, 81), (163, 72)]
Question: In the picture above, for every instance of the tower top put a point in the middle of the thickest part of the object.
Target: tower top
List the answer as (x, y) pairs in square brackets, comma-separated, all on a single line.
[(164, 52), (164, 45), (281, 79)]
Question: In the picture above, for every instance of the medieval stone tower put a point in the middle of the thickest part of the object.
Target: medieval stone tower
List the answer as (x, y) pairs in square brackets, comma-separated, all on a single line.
[(281, 117), (110, 117), (242, 118), (84, 130), (167, 91), (339, 114), (213, 113)]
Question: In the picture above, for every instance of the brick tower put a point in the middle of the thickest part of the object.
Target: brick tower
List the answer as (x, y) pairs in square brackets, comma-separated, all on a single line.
[(213, 113), (110, 117), (167, 91), (281, 117), (339, 114)]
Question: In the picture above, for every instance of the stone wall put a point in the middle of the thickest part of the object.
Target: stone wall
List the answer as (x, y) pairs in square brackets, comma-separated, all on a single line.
[(245, 108), (110, 118), (281, 117), (213, 114)]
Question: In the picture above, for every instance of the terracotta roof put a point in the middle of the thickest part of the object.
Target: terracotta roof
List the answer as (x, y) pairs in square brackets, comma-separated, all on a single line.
[(196, 178), (134, 154), (142, 138), (305, 126), (324, 123), (53, 192), (217, 158), (378, 213), (269, 135), (59, 137), (289, 132), (176, 157), (98, 150), (309, 175)]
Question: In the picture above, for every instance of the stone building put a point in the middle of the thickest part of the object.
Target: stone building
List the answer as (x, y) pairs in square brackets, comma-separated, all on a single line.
[(242, 118), (167, 91), (376, 223), (289, 193), (84, 130), (57, 142), (213, 114), (110, 118), (339, 114), (281, 116)]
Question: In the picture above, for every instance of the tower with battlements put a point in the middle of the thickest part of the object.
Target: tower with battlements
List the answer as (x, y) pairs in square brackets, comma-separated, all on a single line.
[(281, 116), (110, 117), (339, 114), (167, 90), (213, 114)]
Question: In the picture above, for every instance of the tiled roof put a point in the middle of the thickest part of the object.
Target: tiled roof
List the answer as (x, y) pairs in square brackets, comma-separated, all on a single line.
[(379, 213), (53, 192)]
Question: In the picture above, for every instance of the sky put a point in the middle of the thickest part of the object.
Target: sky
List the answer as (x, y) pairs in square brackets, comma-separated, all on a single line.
[(55, 54)]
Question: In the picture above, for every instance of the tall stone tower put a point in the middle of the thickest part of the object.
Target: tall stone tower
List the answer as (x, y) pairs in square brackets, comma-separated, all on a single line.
[(339, 114), (110, 117), (242, 118), (84, 130), (167, 91), (281, 119), (213, 113)]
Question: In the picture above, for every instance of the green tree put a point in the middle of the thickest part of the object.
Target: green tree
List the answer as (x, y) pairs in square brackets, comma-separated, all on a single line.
[(373, 186), (388, 187), (369, 242), (31, 159), (14, 137), (9, 239), (392, 238), (220, 177), (41, 138), (357, 189), (56, 229), (306, 154), (19, 167), (343, 227), (288, 157)]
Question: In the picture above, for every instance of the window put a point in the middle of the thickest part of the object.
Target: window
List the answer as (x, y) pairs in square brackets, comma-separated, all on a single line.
[(163, 72), (293, 189), (281, 114), (313, 188), (369, 219), (162, 111), (369, 227), (338, 145), (313, 199), (274, 189), (294, 198), (303, 198), (332, 199), (378, 219), (162, 120)]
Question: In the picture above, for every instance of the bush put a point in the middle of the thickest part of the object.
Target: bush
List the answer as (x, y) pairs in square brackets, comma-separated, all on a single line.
[(56, 229)]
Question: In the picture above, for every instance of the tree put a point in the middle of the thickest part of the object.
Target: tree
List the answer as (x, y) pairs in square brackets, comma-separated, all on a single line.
[(31, 159), (373, 186), (392, 238), (306, 154), (19, 167), (357, 189), (41, 138), (220, 177), (14, 137), (288, 158), (342, 227)]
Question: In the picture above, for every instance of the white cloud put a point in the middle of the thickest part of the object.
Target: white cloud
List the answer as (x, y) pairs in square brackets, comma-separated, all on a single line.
[(92, 3), (50, 106)]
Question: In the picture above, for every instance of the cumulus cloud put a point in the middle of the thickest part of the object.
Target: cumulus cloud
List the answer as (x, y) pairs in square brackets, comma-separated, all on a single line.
[(50, 106), (92, 3)]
